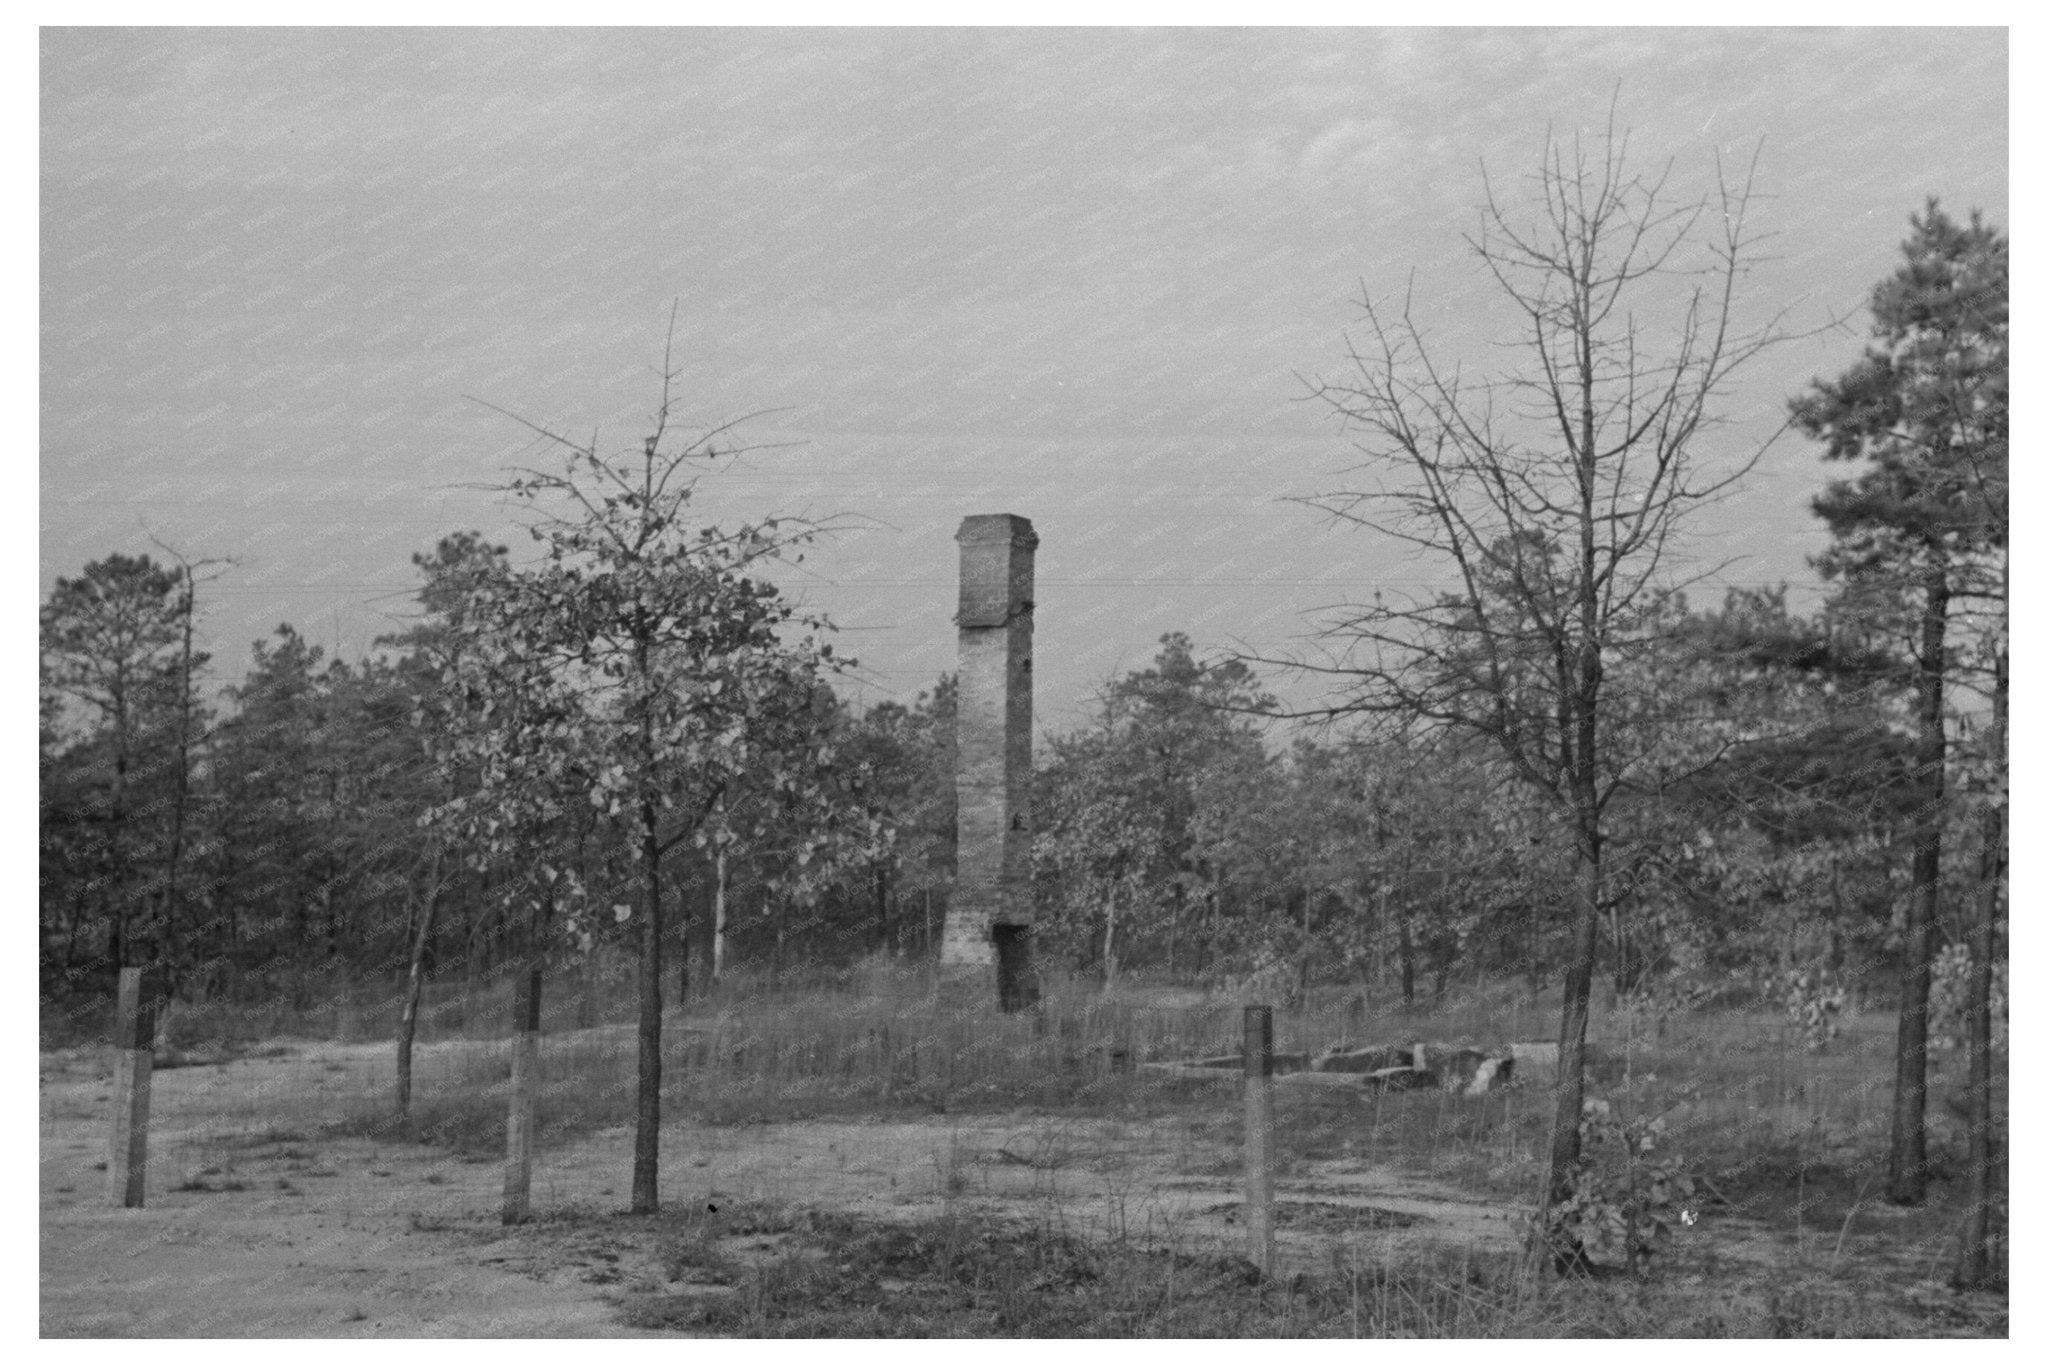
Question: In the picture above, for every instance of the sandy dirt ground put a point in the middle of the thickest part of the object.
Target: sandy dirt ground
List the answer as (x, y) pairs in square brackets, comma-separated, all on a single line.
[(258, 1225)]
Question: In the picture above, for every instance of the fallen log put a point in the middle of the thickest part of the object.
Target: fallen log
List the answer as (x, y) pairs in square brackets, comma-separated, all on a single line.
[(1365, 1059)]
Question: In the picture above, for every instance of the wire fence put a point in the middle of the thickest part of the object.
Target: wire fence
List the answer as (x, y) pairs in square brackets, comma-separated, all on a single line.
[(1105, 1114)]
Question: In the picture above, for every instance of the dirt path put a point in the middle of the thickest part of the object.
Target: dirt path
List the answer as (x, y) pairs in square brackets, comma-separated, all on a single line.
[(259, 1271)]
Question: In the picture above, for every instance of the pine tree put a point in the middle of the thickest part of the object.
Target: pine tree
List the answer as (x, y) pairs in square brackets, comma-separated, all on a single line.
[(1919, 533), (116, 675)]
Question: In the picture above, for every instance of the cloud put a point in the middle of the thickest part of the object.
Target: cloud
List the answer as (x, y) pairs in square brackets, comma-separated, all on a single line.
[(1344, 149)]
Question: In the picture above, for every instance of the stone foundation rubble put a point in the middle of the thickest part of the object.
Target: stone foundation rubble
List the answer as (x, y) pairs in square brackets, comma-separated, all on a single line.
[(1408, 1066)]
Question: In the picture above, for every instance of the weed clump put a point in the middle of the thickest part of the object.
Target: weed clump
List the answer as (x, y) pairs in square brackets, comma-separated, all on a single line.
[(777, 1273)]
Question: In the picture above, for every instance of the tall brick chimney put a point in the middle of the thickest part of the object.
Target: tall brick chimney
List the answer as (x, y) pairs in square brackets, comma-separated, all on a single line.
[(989, 919)]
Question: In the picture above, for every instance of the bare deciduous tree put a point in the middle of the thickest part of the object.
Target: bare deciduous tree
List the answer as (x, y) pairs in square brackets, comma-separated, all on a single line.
[(1550, 494)]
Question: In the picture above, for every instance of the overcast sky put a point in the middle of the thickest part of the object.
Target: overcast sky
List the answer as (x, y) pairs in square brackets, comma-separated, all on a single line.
[(1075, 275)]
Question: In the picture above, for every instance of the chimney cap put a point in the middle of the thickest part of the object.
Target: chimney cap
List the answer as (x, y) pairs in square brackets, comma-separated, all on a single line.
[(998, 526)]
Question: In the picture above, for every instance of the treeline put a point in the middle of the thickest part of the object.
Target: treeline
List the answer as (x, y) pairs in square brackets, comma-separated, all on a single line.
[(1180, 837), (280, 843), (276, 843)]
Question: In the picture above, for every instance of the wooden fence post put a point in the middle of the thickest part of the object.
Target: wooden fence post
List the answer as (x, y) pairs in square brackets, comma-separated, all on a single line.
[(1258, 1136), (525, 1084), (134, 1036)]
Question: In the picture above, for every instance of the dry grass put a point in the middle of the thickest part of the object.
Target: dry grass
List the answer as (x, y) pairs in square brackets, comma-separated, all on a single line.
[(880, 1041), (1785, 1136), (875, 1042), (1791, 1142), (768, 1271), (773, 1272)]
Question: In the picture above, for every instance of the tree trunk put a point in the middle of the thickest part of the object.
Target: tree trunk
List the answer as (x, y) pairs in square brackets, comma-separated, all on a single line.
[(1907, 1173), (118, 945), (718, 890), (180, 791), (781, 937), (679, 938), (1308, 903), (71, 930), (1407, 963), (885, 939), (1579, 735), (470, 950), (647, 1108), (1976, 1266), (1571, 1049), (415, 981), (1109, 941), (1621, 983), (1180, 896), (231, 956)]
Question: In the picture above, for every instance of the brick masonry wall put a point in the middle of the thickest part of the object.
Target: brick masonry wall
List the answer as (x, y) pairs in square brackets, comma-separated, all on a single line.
[(994, 881)]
